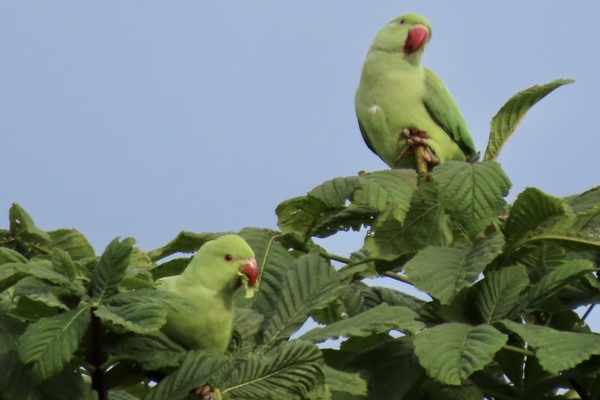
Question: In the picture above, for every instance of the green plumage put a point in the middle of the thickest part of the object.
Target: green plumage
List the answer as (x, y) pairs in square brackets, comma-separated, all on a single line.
[(209, 282), (396, 92)]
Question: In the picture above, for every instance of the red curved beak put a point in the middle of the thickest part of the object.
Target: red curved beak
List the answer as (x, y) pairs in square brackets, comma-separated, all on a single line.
[(416, 37), (250, 269)]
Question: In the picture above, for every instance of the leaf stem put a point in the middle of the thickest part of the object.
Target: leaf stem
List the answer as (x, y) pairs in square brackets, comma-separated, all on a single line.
[(518, 350), (397, 276), (335, 257)]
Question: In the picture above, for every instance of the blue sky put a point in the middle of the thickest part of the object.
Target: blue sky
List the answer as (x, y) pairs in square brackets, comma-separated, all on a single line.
[(144, 118)]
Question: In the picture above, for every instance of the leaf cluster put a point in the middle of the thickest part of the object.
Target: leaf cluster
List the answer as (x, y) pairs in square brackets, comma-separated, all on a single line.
[(503, 280)]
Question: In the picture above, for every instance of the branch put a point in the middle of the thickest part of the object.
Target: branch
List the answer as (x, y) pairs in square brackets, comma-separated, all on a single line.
[(397, 276), (98, 358)]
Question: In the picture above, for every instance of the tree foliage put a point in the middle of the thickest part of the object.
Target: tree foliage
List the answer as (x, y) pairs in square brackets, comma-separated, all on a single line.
[(504, 283)]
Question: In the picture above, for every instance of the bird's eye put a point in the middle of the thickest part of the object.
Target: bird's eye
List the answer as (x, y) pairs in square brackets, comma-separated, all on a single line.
[(402, 21), (228, 257)]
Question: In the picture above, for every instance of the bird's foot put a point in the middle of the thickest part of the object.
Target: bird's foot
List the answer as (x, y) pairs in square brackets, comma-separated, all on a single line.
[(418, 144), (204, 392)]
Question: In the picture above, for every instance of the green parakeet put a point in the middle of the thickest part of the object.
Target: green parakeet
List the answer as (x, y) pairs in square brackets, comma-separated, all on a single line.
[(209, 282), (405, 113)]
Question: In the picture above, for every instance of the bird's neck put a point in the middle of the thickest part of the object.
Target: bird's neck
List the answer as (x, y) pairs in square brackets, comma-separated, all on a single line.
[(397, 57)]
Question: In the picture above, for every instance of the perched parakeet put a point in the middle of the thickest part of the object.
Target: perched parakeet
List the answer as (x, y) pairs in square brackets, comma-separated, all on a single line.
[(404, 110), (209, 282)]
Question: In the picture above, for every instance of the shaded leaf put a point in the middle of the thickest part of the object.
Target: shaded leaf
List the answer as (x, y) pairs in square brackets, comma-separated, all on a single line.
[(376, 320), (169, 268), (557, 351), (443, 272), (185, 242), (383, 364), (273, 260), (500, 292), (10, 256), (585, 201), (531, 208), (16, 382), (346, 382), (153, 351), (50, 343), (135, 317), (425, 224), (557, 279), (309, 283), (452, 352)]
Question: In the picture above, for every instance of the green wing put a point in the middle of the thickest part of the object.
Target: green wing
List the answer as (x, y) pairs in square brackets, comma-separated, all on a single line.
[(444, 110)]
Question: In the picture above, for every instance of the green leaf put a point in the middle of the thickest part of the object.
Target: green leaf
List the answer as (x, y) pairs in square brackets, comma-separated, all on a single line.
[(169, 268), (323, 212), (299, 216), (248, 323), (16, 382), (387, 190), (376, 320), (585, 201), (10, 274), (573, 231), (10, 256), (452, 352), (62, 263), (359, 297), (273, 260), (500, 292), (557, 279), (510, 115), (68, 385), (345, 382), (556, 351), (309, 283), (153, 351), (334, 193), (473, 194), (121, 395), (111, 268), (73, 242), (34, 307), (443, 272), (532, 208), (10, 330), (22, 226), (286, 371), (384, 363), (466, 391), (185, 242), (50, 343), (166, 299), (425, 224), (353, 218), (134, 317), (197, 369)]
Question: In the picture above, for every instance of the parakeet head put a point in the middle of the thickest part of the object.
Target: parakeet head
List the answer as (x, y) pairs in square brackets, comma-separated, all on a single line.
[(218, 263), (407, 35)]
